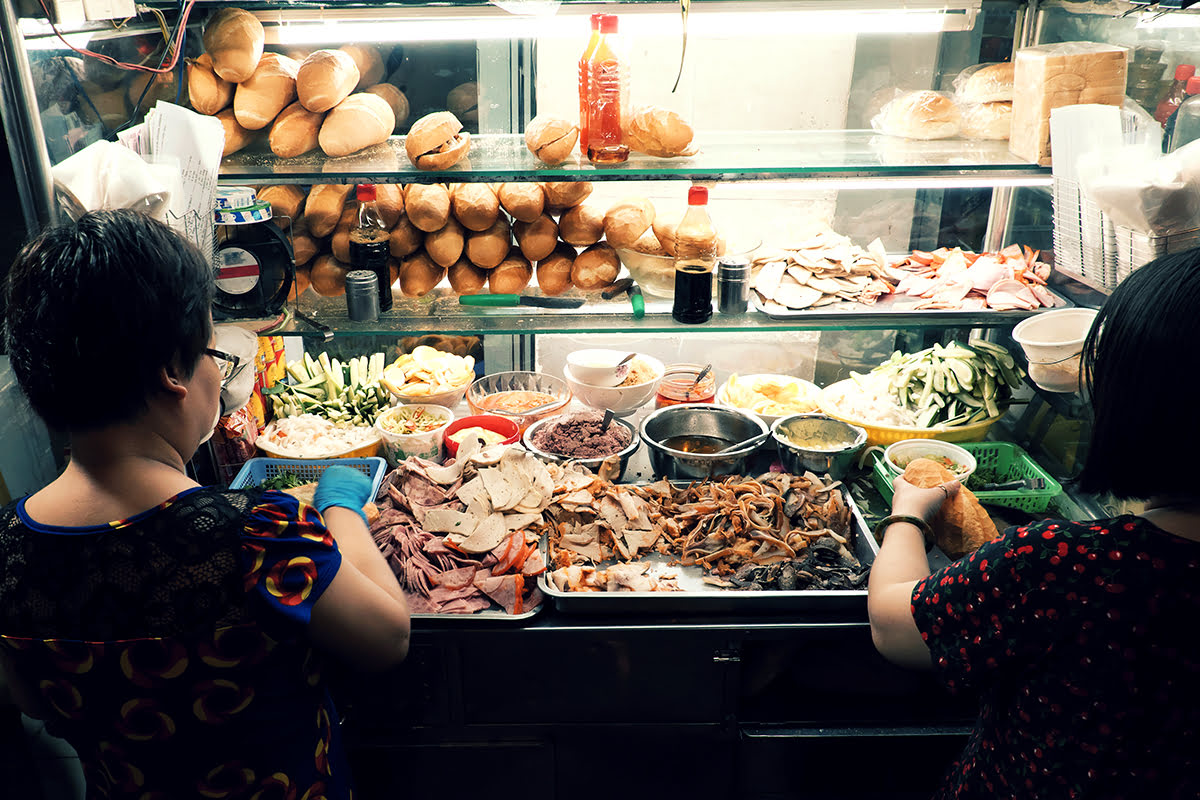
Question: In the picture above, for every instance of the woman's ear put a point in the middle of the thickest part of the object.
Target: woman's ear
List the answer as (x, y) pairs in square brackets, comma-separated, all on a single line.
[(171, 383)]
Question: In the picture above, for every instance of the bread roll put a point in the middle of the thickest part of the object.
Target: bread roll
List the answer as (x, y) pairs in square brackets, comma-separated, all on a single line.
[(552, 140), (427, 205), (445, 247), (985, 83), (921, 115), (538, 238), (524, 202), (554, 271), (595, 268), (463, 102), (466, 278), (405, 239), (328, 276), (324, 207), (561, 195), (396, 99), (475, 205), (236, 137), (369, 63), (389, 199), (987, 121), (437, 141), (271, 88), (418, 275), (304, 246), (326, 78), (300, 282), (664, 231), (626, 221), (581, 226), (649, 245), (511, 276), (286, 201), (234, 38), (295, 131), (356, 123), (488, 248), (208, 92), (659, 132), (339, 244)]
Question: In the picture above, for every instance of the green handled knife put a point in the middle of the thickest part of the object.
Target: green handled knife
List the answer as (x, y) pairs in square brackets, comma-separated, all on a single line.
[(508, 300)]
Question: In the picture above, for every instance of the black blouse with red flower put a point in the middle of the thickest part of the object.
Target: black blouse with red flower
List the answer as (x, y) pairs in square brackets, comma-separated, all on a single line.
[(1083, 643)]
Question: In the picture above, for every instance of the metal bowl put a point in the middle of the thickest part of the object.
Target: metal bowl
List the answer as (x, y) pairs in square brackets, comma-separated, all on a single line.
[(798, 459), (591, 463), (700, 419)]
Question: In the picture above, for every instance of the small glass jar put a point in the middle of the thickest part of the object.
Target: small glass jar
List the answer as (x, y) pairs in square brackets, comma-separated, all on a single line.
[(678, 385)]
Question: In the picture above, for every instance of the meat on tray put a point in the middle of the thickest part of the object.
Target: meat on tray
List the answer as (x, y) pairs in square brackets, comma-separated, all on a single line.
[(459, 537)]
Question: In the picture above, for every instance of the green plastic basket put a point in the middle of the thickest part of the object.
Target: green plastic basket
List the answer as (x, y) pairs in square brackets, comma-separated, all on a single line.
[(1007, 462)]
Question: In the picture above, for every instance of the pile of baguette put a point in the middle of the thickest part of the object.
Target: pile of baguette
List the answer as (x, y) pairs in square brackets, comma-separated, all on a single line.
[(332, 99), (483, 237)]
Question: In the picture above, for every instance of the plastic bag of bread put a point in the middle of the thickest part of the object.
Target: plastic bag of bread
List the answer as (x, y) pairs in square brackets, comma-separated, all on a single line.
[(658, 132), (991, 121), (962, 526), (985, 83), (919, 115)]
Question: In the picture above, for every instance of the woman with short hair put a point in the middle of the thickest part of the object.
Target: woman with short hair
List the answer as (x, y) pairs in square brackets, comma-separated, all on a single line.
[(1079, 638), (173, 634)]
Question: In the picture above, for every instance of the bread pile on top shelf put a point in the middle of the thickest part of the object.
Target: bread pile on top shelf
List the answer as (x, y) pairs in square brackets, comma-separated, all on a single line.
[(481, 236), (331, 99), (979, 108)]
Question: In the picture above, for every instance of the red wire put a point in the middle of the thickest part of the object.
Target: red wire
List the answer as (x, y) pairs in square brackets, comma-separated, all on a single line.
[(174, 47)]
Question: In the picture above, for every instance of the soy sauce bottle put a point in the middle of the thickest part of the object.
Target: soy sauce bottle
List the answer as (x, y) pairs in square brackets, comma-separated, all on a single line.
[(695, 260), (369, 243)]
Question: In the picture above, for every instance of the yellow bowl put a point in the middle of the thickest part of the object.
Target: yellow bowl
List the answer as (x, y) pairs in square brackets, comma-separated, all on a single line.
[(890, 434)]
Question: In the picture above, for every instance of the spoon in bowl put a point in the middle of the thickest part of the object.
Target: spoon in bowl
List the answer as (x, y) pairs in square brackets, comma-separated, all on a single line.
[(703, 374), (753, 444)]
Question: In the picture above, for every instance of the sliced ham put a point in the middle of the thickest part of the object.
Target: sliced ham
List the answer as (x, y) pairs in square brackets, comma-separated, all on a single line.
[(1012, 294)]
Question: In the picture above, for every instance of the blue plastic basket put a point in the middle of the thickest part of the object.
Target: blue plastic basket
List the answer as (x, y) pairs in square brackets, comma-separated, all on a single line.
[(257, 470)]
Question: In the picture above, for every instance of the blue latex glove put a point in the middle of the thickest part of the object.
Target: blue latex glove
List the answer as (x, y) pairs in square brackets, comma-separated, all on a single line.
[(344, 487)]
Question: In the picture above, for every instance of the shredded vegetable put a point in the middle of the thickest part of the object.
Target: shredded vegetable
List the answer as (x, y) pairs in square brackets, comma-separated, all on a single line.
[(310, 436), (405, 420)]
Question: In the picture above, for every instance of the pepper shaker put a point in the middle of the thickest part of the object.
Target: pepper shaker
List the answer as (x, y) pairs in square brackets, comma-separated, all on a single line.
[(733, 284), (362, 295)]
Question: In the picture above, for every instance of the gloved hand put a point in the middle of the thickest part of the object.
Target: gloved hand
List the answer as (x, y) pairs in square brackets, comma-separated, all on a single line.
[(343, 487)]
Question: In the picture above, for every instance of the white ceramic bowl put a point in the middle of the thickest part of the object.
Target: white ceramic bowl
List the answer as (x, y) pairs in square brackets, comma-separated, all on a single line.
[(811, 391), (426, 444), (598, 367), (449, 399), (903, 452), (621, 400)]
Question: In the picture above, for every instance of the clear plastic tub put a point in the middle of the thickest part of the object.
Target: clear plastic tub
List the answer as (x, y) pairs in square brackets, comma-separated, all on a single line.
[(1053, 343)]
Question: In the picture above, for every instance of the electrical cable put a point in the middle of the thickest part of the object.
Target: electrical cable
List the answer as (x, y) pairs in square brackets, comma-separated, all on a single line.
[(173, 52)]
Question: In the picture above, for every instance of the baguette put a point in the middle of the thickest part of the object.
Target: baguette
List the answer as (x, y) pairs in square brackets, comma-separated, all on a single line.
[(326, 78), (511, 276), (475, 205), (466, 278), (389, 199), (396, 99), (524, 202), (595, 268), (304, 246), (369, 63), (295, 131), (339, 244), (356, 123), (626, 221), (234, 39), (536, 239), (445, 247), (419, 274), (207, 91), (550, 139), (428, 205), (405, 238), (261, 97), (488, 248), (286, 201), (581, 226), (437, 141), (554, 271), (324, 207), (328, 276), (236, 137), (561, 195)]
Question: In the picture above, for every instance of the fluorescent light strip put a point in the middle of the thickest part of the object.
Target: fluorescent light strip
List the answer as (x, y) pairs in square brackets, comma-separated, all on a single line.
[(716, 25), (1166, 20)]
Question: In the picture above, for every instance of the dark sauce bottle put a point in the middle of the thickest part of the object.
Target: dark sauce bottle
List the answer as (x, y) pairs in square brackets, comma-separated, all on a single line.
[(695, 260), (369, 243)]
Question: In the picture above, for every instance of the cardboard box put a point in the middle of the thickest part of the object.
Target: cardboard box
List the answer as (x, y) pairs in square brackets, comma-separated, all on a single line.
[(1055, 75)]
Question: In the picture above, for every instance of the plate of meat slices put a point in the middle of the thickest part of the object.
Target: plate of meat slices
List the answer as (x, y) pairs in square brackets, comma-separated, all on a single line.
[(772, 543), (464, 538)]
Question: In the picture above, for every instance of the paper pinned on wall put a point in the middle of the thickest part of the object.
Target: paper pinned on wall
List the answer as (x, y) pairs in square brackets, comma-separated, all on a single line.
[(193, 142)]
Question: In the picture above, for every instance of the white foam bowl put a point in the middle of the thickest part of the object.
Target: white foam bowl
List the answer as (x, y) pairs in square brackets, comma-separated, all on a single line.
[(621, 400), (1053, 344), (598, 367)]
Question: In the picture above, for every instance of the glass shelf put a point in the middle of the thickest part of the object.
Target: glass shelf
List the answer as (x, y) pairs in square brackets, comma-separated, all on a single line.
[(440, 312), (729, 156)]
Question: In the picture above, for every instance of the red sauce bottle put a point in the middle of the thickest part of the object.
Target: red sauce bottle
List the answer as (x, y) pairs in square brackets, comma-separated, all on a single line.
[(584, 61), (608, 81)]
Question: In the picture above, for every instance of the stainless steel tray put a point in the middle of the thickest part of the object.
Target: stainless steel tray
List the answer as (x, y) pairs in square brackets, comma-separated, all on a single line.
[(700, 597), (899, 307), (491, 616)]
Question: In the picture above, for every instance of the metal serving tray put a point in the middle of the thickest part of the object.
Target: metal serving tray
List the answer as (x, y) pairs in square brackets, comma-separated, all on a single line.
[(897, 308), (490, 616), (700, 597)]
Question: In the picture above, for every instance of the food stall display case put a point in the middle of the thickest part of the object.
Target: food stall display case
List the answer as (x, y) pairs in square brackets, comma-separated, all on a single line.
[(781, 94)]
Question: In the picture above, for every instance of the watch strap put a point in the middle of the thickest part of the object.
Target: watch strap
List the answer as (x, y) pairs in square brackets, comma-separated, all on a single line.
[(919, 523)]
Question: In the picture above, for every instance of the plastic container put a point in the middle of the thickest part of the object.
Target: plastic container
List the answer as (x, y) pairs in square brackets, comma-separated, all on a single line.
[(1187, 119), (904, 451), (257, 470), (998, 462), (425, 444), (500, 425), (1053, 344)]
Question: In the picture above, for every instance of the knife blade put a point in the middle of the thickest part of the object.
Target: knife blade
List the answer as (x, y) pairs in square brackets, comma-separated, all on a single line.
[(508, 300)]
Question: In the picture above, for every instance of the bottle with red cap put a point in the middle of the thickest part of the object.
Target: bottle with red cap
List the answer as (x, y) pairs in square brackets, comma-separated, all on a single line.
[(1185, 122), (607, 89), (584, 95), (1175, 94), (369, 243), (695, 260)]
